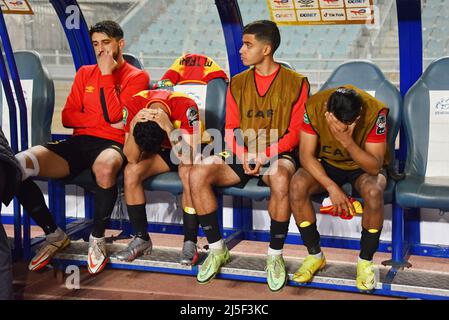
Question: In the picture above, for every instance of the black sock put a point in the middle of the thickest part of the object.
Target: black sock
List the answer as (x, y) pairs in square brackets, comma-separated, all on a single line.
[(191, 223), (209, 223), (104, 202), (32, 199), (138, 218), (278, 232), (369, 244), (311, 238)]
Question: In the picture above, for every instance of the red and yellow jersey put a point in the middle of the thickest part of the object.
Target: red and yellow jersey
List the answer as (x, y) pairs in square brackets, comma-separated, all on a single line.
[(96, 101), (193, 68), (182, 110)]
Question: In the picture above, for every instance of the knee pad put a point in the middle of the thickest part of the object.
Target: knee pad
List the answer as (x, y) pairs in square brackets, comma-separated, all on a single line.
[(28, 172)]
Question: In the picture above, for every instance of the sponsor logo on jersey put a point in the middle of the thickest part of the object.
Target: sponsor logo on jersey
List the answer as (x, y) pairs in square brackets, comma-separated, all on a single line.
[(306, 118), (192, 116), (381, 124)]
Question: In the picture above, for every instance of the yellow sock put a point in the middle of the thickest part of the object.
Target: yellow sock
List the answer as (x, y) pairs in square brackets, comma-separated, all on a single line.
[(189, 210), (373, 230), (305, 224)]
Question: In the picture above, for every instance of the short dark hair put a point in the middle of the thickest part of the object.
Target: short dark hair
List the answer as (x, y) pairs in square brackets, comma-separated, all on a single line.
[(345, 104), (264, 30), (110, 28), (148, 136)]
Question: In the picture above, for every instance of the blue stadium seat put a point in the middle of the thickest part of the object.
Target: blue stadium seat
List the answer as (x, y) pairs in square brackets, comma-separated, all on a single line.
[(30, 67), (306, 51), (304, 42), (436, 47), (340, 50), (251, 190), (415, 191), (318, 33)]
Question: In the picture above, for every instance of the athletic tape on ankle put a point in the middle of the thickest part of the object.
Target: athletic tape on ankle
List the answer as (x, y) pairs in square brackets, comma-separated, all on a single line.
[(305, 224), (28, 172), (189, 210), (373, 231)]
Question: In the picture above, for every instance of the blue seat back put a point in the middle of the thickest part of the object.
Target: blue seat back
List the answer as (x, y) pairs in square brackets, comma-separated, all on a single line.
[(216, 104), (417, 114), (30, 67), (133, 60)]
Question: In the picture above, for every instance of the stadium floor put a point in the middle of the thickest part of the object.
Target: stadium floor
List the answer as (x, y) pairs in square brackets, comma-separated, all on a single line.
[(130, 284)]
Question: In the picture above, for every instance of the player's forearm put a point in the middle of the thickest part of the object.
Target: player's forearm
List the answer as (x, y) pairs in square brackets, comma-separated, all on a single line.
[(131, 149), (366, 161), (78, 119), (316, 170)]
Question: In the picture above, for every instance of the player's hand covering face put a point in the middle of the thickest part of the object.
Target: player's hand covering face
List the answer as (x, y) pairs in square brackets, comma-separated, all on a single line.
[(107, 51), (341, 131)]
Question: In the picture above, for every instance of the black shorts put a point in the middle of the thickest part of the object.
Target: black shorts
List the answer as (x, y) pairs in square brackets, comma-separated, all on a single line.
[(340, 176), (81, 151), (237, 166), (164, 153)]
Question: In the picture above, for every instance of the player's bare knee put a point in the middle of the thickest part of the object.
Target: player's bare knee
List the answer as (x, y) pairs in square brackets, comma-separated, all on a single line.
[(299, 188), (199, 175), (279, 184), (132, 176), (281, 192), (373, 196), (105, 174)]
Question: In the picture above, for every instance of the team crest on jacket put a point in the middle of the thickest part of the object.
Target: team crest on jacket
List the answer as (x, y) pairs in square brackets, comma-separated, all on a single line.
[(125, 115), (192, 116)]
